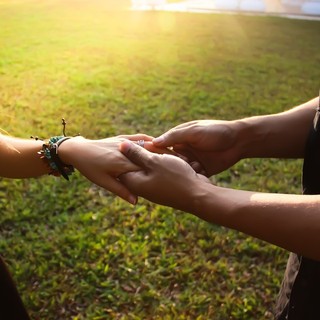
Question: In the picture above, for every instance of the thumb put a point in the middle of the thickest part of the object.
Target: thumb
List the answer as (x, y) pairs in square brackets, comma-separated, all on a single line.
[(135, 153), (171, 138)]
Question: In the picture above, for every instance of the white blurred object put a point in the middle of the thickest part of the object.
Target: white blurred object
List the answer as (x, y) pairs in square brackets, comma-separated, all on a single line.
[(292, 2), (147, 4), (252, 5), (157, 2), (200, 5), (311, 7), (227, 4), (290, 8)]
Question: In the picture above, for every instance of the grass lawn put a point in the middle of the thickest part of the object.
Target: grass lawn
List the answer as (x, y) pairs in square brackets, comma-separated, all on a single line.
[(78, 252)]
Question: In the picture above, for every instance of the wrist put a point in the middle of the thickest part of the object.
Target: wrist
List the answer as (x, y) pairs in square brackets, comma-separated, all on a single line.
[(216, 205), (49, 154), (203, 196), (249, 135), (68, 150)]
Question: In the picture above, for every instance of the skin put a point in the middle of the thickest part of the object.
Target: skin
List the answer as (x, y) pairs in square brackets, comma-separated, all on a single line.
[(289, 221), (217, 145), (100, 161)]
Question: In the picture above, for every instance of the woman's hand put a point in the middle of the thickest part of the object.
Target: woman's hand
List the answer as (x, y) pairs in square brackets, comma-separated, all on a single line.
[(101, 162), (163, 179), (146, 140)]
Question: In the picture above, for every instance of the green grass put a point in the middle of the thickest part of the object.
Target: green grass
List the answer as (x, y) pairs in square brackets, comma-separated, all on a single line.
[(77, 252)]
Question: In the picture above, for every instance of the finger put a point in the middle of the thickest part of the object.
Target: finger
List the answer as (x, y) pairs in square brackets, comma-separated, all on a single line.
[(135, 181), (185, 153), (128, 178), (123, 165), (173, 137), (148, 145), (115, 186), (136, 137), (135, 153), (196, 166)]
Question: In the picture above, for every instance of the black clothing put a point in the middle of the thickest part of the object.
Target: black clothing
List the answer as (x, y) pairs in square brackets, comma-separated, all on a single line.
[(11, 305), (299, 296)]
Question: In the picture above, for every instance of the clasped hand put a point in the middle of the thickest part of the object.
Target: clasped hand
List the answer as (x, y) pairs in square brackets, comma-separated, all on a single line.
[(200, 148), (156, 172)]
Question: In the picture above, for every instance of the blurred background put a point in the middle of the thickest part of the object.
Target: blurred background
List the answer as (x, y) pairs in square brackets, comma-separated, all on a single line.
[(76, 251), (291, 7)]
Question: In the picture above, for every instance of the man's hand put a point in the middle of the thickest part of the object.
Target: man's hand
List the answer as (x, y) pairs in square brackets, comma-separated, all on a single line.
[(209, 146), (163, 179)]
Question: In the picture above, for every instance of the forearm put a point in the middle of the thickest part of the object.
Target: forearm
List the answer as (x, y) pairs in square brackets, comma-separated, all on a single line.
[(288, 221), (281, 135), (19, 158)]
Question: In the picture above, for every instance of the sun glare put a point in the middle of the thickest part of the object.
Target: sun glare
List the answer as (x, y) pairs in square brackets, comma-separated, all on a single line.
[(293, 7), (166, 22)]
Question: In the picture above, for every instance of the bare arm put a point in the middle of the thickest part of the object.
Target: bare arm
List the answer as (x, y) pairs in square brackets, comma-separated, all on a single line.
[(19, 158), (217, 145), (98, 160), (281, 135), (289, 221)]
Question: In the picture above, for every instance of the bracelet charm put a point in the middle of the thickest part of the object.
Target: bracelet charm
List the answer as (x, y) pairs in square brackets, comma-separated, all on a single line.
[(49, 153)]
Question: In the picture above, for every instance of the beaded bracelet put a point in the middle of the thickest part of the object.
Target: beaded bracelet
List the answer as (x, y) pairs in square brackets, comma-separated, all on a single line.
[(49, 153)]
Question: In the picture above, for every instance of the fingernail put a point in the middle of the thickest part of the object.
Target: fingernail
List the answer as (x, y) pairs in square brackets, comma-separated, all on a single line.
[(132, 200), (124, 146), (158, 140)]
